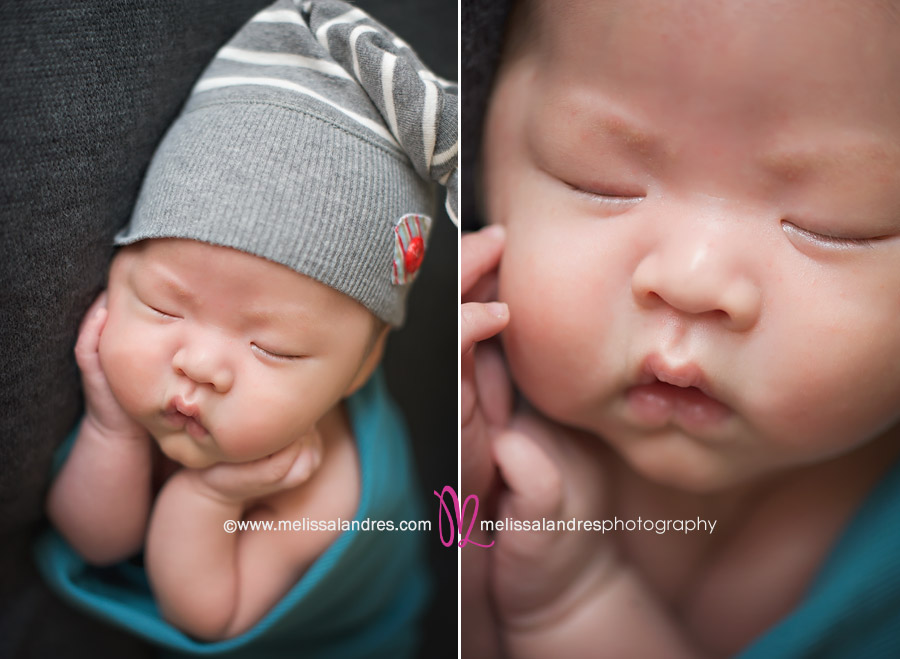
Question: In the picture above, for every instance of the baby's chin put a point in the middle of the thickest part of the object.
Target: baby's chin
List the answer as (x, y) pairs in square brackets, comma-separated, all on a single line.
[(184, 451), (685, 467)]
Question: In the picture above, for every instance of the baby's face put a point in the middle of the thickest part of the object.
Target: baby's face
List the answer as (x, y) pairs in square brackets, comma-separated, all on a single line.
[(224, 356), (702, 208)]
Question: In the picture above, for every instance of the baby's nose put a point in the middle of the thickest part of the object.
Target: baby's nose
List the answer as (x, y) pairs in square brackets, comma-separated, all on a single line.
[(699, 275), (205, 362)]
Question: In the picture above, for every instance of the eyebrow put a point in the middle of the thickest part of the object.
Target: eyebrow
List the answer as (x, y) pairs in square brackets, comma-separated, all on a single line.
[(632, 135), (273, 317), (789, 165), (795, 165), (641, 141), (172, 285)]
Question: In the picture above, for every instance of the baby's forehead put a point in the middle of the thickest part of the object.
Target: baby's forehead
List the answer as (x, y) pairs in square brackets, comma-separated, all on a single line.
[(194, 270), (720, 28), (538, 14), (771, 67)]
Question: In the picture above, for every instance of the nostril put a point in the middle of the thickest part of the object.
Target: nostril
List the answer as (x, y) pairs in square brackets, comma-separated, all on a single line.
[(649, 299)]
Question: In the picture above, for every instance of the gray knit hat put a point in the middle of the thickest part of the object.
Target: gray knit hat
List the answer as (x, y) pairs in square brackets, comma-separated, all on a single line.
[(313, 140)]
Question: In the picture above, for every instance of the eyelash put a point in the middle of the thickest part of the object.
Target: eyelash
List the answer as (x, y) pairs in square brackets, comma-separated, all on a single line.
[(612, 199), (821, 239), (824, 240), (259, 349), (274, 355), (162, 313)]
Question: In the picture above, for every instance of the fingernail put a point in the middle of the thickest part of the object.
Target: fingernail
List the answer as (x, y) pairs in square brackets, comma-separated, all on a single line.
[(494, 230), (497, 309)]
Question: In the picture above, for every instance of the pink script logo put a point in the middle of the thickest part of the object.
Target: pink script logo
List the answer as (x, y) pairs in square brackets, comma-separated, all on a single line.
[(457, 517)]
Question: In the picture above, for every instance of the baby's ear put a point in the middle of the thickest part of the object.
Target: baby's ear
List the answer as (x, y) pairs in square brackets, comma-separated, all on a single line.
[(371, 361)]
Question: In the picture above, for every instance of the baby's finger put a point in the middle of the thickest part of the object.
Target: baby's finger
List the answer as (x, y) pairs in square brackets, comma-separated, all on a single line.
[(92, 323), (534, 492), (89, 338), (98, 303), (255, 474), (307, 461), (534, 482), (485, 289), (276, 466), (480, 253), (481, 321), (493, 385)]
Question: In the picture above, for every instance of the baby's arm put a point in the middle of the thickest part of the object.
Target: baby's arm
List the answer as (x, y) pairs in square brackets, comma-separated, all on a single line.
[(100, 500), (235, 577), (568, 593), (617, 616)]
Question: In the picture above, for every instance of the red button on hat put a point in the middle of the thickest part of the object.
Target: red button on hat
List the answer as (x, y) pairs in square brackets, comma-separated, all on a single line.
[(415, 252)]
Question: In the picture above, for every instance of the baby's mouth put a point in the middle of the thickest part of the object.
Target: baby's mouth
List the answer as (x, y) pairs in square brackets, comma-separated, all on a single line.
[(182, 415), (666, 395)]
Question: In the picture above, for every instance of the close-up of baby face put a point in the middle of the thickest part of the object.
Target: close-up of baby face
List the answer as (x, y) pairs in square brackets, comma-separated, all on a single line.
[(227, 357), (702, 212)]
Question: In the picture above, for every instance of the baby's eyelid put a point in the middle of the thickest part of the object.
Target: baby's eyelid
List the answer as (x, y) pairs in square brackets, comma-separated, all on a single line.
[(825, 240), (606, 197), (164, 314), (274, 355)]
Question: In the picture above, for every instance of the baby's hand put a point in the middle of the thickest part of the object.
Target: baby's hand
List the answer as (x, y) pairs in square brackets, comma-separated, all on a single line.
[(102, 409), (486, 404), (552, 473), (485, 388), (235, 483)]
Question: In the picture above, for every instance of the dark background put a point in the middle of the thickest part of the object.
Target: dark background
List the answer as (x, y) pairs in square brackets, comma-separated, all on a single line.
[(483, 24), (87, 90)]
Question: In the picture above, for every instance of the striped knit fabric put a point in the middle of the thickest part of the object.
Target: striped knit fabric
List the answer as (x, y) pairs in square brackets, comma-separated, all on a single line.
[(309, 138), (420, 108)]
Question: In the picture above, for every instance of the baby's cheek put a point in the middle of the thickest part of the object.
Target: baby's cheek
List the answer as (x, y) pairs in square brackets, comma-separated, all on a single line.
[(549, 339), (128, 368), (828, 393), (257, 421)]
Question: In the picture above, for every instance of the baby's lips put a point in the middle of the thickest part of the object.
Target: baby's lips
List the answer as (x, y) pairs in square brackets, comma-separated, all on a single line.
[(195, 429), (656, 368)]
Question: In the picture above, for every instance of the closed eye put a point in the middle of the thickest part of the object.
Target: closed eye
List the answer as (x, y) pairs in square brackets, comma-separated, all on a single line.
[(160, 312), (615, 200), (825, 240), (274, 355)]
